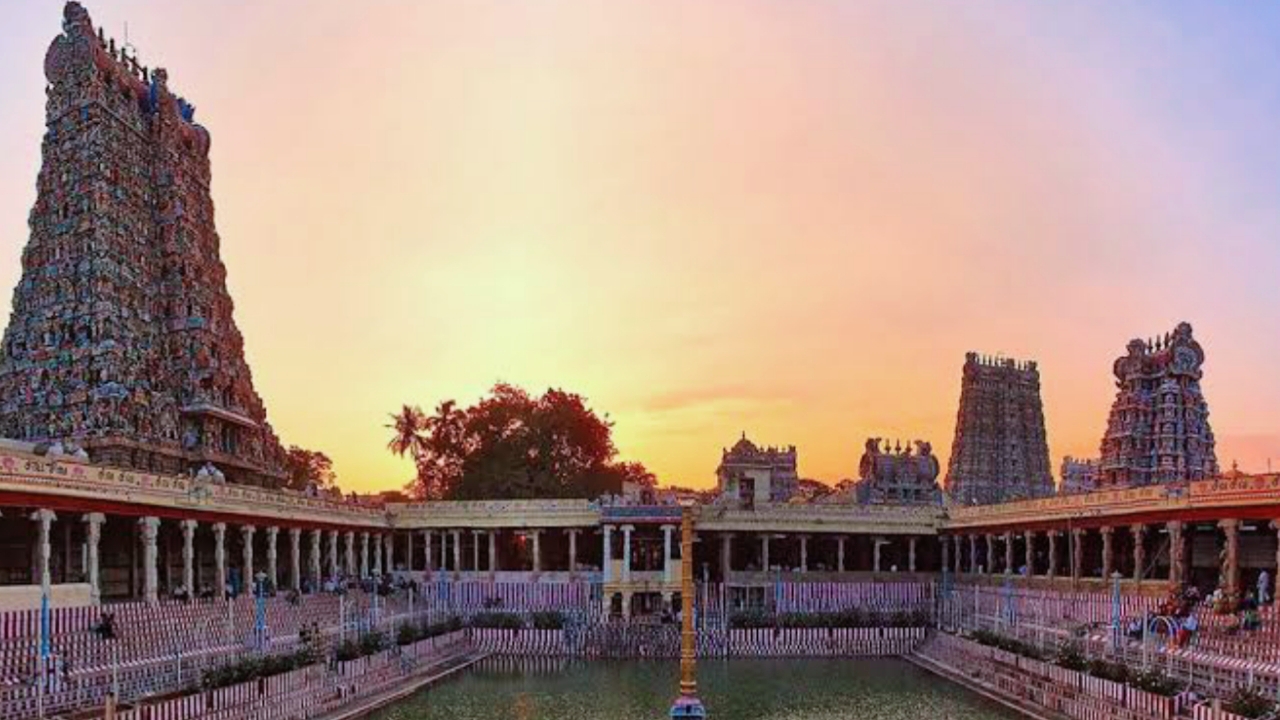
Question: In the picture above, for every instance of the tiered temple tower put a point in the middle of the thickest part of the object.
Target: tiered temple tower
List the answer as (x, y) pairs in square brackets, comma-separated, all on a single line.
[(1000, 450), (895, 475), (1158, 430), (121, 338), (1079, 475), (749, 474)]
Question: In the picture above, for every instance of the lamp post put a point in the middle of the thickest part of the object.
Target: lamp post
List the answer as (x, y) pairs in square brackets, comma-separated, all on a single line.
[(687, 705)]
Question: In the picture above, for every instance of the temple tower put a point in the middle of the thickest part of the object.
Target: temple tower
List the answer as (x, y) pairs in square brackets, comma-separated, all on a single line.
[(1158, 430), (121, 338), (1000, 450)]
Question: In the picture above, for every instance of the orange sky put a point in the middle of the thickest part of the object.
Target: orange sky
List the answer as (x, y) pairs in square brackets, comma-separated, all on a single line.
[(786, 218)]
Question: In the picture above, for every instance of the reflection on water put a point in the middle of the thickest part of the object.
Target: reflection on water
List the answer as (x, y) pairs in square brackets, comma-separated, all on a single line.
[(731, 690)]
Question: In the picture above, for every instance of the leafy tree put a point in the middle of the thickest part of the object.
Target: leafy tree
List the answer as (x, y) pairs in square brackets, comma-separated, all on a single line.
[(511, 444), (308, 466)]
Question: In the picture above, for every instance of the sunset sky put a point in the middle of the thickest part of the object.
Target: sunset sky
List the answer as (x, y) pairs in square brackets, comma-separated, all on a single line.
[(788, 218)]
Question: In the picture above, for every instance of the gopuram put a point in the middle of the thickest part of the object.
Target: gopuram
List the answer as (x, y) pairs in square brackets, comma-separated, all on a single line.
[(121, 340), (1158, 430), (152, 568), (1000, 451)]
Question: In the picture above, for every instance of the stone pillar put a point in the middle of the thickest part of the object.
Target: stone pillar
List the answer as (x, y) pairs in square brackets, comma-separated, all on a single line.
[(431, 560), (93, 536), (316, 581), (493, 551), (1029, 540), (408, 551), (958, 547), (573, 550), (364, 555), (911, 554), (44, 522), (150, 526), (1177, 552), (475, 549), (606, 557), (349, 554), (189, 556), (457, 551), (945, 541), (973, 553), (1139, 533), (726, 555), (1077, 553), (1053, 553), (991, 554), (666, 552), (375, 541), (626, 554), (1108, 551), (220, 557), (1008, 553), (840, 553), (876, 543), (246, 573), (273, 576), (333, 555), (804, 553), (537, 549), (764, 551), (389, 543), (1230, 577), (295, 558)]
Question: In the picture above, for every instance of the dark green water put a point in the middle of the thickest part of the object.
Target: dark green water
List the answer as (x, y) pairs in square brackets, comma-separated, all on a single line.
[(731, 690)]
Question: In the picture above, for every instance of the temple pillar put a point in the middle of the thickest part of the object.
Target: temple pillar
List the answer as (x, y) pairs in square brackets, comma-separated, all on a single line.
[(349, 554), (911, 554), (295, 558), (1008, 552), (537, 549), (1077, 553), (1108, 551), (876, 543), (93, 537), (273, 533), (316, 580), (804, 553), (493, 551), (1052, 572), (457, 552), (666, 553), (150, 526), (44, 523), (1139, 533), (764, 552), (408, 551), (333, 555), (246, 574), (726, 555), (958, 547), (840, 553), (220, 557), (945, 541), (375, 543), (389, 545), (431, 560), (1230, 575), (606, 559), (1029, 552), (973, 553), (991, 554), (188, 556), (626, 557), (364, 555), (573, 550), (1177, 553), (475, 549)]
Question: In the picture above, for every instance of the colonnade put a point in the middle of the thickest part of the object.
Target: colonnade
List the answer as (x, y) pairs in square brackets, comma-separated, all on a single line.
[(1105, 551)]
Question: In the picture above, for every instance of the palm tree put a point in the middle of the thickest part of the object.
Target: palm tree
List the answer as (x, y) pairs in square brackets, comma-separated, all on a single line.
[(407, 437)]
